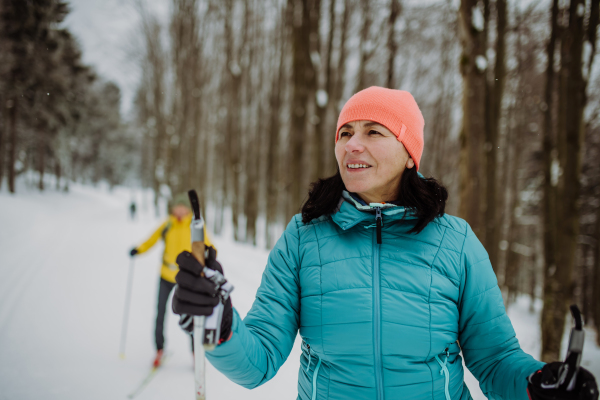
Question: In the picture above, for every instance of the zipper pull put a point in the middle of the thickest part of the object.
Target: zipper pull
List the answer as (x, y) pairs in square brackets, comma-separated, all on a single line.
[(379, 223)]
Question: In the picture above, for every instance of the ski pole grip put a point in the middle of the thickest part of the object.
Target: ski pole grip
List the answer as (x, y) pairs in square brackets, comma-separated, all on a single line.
[(197, 228)]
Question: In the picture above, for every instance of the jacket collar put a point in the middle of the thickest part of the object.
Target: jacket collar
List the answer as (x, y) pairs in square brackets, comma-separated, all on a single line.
[(187, 220), (351, 212)]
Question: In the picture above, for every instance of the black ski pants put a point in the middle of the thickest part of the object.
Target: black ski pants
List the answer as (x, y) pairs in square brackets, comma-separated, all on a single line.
[(164, 289)]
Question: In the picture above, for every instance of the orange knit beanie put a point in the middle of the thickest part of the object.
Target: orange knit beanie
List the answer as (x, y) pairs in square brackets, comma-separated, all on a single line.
[(397, 110)]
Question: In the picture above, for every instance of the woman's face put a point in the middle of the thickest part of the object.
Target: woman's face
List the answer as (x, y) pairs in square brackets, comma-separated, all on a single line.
[(371, 160), (180, 211)]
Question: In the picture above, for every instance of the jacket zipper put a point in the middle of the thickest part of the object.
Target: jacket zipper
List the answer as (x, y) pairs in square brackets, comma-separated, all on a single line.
[(379, 223), (377, 311)]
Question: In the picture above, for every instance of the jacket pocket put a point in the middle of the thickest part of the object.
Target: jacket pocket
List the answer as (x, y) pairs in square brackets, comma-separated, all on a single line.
[(309, 354)]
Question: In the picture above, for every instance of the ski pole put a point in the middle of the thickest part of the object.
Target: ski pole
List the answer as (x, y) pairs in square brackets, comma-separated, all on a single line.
[(567, 373), (207, 330), (575, 349), (198, 335), (126, 311)]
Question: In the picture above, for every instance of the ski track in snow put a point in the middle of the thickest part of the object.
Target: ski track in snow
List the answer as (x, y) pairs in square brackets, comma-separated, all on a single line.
[(63, 263)]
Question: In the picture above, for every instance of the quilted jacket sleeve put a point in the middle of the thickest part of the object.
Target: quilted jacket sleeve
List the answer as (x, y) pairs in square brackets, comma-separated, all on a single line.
[(487, 338), (261, 343)]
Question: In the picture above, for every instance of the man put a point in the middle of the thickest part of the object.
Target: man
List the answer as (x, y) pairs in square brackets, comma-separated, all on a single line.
[(176, 234)]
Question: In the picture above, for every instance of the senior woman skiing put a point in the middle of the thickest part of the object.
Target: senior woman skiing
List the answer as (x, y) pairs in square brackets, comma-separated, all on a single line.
[(383, 286)]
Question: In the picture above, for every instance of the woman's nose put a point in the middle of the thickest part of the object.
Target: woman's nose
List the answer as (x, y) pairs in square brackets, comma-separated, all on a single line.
[(355, 144)]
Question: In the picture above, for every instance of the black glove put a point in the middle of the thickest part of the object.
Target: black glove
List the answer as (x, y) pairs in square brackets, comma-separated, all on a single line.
[(133, 252), (196, 295), (585, 385)]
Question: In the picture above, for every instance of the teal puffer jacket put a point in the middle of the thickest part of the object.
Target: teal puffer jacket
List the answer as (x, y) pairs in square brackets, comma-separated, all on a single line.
[(378, 321)]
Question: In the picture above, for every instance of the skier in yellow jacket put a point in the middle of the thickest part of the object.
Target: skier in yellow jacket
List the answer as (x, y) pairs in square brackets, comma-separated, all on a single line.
[(176, 234)]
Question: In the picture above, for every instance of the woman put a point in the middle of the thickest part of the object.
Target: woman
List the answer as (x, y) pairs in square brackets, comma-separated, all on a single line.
[(176, 235), (381, 284)]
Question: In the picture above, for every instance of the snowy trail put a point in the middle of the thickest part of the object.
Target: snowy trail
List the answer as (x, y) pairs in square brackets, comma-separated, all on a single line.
[(63, 263), (63, 268)]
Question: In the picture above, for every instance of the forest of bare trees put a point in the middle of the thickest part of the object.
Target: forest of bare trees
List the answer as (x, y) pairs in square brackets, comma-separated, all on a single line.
[(239, 99), (57, 115), (506, 88)]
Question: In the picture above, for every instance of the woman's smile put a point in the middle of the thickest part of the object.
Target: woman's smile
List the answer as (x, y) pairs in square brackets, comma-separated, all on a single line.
[(354, 166)]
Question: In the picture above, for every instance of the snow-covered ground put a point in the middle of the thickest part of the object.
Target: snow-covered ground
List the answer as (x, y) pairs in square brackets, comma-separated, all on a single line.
[(63, 273)]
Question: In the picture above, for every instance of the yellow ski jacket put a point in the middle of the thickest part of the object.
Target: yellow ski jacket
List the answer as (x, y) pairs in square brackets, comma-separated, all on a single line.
[(177, 237)]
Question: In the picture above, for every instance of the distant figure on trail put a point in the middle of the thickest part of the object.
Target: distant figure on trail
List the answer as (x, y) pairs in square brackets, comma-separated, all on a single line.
[(132, 209), (176, 234)]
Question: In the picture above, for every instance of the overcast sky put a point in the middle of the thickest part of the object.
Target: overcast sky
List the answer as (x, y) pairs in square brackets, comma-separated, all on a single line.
[(106, 30)]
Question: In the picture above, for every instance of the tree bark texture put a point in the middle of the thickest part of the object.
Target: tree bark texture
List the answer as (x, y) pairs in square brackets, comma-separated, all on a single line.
[(303, 90), (274, 176), (496, 90), (233, 92), (472, 138), (3, 129), (251, 164), (596, 285), (395, 9), (571, 102), (12, 146), (41, 157), (323, 130), (366, 50)]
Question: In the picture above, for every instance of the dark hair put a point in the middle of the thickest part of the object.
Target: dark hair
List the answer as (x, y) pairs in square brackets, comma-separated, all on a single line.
[(425, 197)]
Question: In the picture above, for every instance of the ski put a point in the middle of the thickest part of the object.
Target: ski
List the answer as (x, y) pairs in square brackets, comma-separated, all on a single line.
[(148, 378)]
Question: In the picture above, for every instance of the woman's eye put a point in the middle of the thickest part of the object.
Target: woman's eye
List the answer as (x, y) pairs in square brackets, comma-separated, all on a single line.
[(374, 133), (342, 134)]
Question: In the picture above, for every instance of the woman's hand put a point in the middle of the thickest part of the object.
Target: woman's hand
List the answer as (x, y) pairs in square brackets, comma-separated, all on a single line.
[(196, 295), (540, 381)]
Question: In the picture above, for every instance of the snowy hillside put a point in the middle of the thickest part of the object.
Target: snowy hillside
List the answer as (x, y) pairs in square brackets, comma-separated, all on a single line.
[(63, 268)]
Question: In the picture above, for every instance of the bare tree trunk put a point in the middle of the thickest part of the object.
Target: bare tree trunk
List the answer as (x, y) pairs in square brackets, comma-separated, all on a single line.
[(596, 275), (492, 228), (304, 85), (3, 129), (338, 85), (41, 157), (251, 164), (12, 152), (585, 279), (155, 79), (533, 272), (234, 82), (439, 141), (365, 52), (512, 167), (550, 208), (559, 277), (323, 131), (473, 66), (273, 176), (57, 172), (392, 46)]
